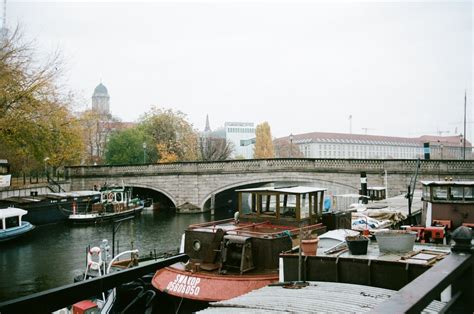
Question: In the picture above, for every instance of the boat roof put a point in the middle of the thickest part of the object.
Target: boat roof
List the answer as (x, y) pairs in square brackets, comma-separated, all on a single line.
[(376, 188), (318, 296), (288, 189), (12, 212), (75, 193), (436, 183)]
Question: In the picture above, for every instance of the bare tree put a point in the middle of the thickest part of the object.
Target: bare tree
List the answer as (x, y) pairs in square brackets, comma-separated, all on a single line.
[(215, 149)]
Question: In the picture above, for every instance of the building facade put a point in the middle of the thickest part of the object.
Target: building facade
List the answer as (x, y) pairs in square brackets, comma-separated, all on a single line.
[(342, 145), (242, 136)]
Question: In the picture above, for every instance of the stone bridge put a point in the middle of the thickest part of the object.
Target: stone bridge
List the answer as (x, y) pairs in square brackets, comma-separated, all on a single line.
[(198, 183)]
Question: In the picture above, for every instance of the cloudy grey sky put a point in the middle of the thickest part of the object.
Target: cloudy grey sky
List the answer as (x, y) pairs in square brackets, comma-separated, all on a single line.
[(399, 68)]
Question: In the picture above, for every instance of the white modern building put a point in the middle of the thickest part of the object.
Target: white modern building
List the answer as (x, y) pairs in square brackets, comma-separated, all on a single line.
[(242, 136), (342, 145)]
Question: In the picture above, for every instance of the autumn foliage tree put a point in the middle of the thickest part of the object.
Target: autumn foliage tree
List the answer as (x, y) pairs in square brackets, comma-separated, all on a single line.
[(171, 134), (263, 142), (36, 124)]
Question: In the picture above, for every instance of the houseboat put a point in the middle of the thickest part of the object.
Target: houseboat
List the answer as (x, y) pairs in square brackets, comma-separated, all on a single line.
[(53, 207), (231, 257), (11, 223), (115, 202)]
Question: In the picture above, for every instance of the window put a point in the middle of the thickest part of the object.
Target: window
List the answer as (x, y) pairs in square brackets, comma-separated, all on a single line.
[(12, 222), (440, 193), (469, 193), (456, 193), (304, 207)]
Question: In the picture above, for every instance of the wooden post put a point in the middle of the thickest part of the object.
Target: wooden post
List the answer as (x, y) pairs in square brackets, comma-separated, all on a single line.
[(277, 214), (298, 209)]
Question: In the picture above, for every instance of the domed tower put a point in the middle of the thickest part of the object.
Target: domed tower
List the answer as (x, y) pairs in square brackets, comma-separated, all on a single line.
[(100, 100)]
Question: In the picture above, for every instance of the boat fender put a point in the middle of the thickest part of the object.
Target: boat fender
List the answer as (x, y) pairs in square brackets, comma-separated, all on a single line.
[(95, 251)]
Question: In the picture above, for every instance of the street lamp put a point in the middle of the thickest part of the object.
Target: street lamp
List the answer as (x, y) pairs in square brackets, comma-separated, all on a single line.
[(144, 152), (46, 166), (291, 145)]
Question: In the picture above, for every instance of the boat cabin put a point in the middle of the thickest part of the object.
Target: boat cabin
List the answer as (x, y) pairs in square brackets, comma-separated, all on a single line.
[(376, 193), (449, 203), (294, 205), (11, 217)]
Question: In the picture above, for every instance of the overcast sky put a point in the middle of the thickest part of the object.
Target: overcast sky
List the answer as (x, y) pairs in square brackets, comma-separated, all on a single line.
[(399, 68)]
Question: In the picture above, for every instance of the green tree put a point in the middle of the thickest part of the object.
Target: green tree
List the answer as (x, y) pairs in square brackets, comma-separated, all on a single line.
[(172, 135), (126, 147), (263, 142)]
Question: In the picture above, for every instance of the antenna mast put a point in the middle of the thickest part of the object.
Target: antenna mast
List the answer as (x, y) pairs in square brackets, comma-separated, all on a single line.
[(350, 124), (464, 140)]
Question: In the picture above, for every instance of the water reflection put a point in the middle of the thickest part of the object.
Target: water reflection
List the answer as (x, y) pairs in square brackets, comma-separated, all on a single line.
[(52, 255)]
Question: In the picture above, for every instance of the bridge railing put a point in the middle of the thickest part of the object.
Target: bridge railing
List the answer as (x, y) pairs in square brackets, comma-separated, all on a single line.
[(283, 164)]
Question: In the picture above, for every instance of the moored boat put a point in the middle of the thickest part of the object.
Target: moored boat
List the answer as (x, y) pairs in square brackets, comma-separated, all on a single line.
[(231, 257), (53, 207), (115, 202), (12, 225)]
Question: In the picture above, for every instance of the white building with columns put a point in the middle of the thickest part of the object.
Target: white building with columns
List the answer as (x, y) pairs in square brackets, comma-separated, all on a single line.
[(358, 146)]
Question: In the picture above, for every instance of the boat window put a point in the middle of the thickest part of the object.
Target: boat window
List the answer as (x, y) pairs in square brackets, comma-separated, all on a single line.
[(118, 197), (440, 193), (1, 224), (268, 204), (304, 201), (456, 193), (288, 205), (248, 203), (11, 222), (469, 193), (426, 193)]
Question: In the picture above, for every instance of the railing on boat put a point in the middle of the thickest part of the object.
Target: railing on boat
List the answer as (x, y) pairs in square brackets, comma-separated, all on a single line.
[(57, 298), (244, 229), (208, 224), (290, 232)]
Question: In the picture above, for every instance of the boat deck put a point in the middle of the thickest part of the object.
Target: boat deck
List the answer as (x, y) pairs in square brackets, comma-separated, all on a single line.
[(318, 296), (399, 203)]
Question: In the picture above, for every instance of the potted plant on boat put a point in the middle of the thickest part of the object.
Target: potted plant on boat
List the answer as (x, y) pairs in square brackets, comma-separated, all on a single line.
[(357, 244), (309, 243)]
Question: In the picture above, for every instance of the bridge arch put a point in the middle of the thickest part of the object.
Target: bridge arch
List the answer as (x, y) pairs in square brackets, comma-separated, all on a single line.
[(276, 179), (162, 191)]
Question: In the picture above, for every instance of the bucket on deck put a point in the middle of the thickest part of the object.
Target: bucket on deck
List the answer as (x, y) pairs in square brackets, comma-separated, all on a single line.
[(395, 240), (357, 244)]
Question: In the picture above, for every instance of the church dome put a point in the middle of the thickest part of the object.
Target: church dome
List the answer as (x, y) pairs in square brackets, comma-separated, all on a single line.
[(101, 90)]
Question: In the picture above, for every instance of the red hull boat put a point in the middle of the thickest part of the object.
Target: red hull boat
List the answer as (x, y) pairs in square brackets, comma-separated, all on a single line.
[(229, 258), (208, 287)]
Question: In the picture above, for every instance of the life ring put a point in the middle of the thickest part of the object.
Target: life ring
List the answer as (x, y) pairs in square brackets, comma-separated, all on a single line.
[(110, 197), (95, 265)]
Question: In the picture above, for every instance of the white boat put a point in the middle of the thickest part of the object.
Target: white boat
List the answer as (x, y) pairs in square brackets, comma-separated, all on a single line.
[(11, 224), (115, 202)]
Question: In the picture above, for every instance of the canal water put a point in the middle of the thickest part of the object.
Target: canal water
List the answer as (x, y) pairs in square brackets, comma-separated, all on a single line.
[(52, 255)]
